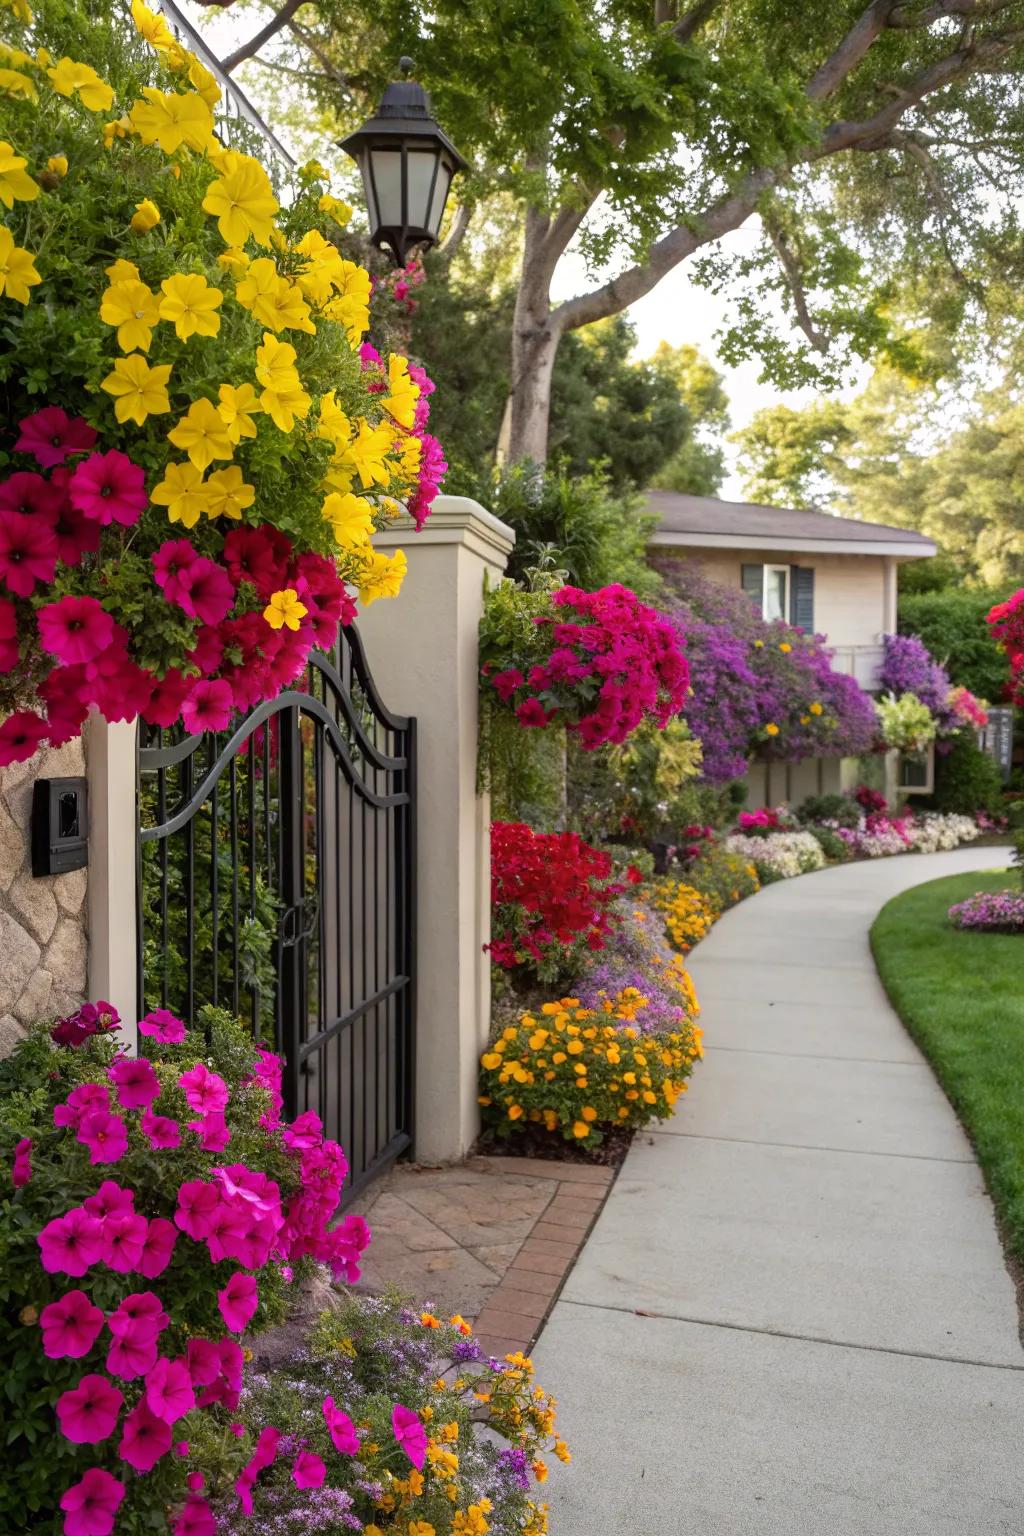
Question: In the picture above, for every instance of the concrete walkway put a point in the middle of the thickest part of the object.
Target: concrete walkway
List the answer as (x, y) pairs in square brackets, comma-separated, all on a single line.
[(793, 1317)]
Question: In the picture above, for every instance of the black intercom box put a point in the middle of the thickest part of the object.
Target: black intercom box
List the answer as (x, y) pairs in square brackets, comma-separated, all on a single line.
[(60, 825)]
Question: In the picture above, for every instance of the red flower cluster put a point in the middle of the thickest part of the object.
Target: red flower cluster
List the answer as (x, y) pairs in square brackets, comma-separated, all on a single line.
[(613, 663), (1006, 624), (236, 659), (547, 888)]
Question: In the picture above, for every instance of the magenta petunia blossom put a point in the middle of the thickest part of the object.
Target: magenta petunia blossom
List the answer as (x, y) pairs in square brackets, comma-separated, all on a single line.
[(50, 435), (110, 1199), (160, 1024), (212, 1130), (88, 1413), (146, 1438), (206, 1092), (135, 1081), (169, 1392), (134, 1351), (142, 1309), (109, 488), (28, 552), (20, 736), (71, 1244), (171, 562), (70, 1326), (80, 1102), (309, 1470), (9, 649), (22, 1169), (105, 1134), (208, 707), (76, 534), (410, 1434), (238, 1301), (74, 628), (90, 1506), (197, 1204), (196, 1519), (124, 1238), (340, 1428), (203, 1360), (204, 590), (31, 496), (263, 1456), (161, 1131)]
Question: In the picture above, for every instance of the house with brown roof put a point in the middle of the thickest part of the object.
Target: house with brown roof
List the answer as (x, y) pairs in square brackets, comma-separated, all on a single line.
[(833, 575)]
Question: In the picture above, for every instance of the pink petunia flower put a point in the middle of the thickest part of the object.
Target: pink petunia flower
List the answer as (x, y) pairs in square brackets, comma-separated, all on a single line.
[(204, 591), (50, 435), (208, 706), (21, 735), (28, 552), (203, 1360), (31, 496), (158, 1249), (196, 1519), (171, 563), (90, 1506), (197, 1202), (238, 1301), (109, 488), (76, 534), (410, 1434), (262, 1457), (88, 1413), (133, 1353), (205, 1091), (146, 1438), (180, 1448), (169, 1390), (105, 1134), (212, 1130), (340, 1428), (124, 1238), (70, 1244), (80, 1102), (9, 648), (161, 1131), (21, 1172), (136, 1082), (74, 629), (142, 1309), (164, 709), (309, 1470), (162, 1025), (70, 1326), (110, 1199)]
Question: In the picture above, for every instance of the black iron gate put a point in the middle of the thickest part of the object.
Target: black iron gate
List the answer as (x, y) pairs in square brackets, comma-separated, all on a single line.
[(276, 870)]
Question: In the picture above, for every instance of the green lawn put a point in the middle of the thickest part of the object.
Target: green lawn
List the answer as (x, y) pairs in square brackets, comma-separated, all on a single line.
[(961, 996)]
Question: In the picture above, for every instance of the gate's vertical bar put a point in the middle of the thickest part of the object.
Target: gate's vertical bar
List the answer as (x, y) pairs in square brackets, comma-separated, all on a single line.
[(407, 881), (291, 845)]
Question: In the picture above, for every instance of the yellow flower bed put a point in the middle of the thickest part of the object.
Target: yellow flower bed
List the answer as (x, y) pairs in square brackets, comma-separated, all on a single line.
[(687, 914), (571, 1071)]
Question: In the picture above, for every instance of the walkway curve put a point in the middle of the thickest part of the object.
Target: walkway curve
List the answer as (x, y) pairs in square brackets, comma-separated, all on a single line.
[(793, 1317)]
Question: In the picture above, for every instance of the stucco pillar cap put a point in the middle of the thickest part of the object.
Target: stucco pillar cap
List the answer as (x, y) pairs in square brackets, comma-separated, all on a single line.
[(453, 520)]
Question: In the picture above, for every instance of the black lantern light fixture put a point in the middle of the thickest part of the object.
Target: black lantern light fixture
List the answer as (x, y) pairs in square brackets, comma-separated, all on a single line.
[(407, 163)]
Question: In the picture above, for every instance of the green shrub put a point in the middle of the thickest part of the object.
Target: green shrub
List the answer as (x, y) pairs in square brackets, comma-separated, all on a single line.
[(831, 844), (952, 625), (966, 779), (839, 808), (723, 878)]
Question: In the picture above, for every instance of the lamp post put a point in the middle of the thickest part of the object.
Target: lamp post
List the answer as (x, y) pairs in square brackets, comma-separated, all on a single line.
[(407, 163)]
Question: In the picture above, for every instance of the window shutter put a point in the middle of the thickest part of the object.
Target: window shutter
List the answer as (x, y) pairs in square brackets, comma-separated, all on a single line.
[(801, 597), (752, 577)]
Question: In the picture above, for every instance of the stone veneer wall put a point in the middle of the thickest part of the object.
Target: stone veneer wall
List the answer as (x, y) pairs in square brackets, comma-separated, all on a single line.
[(43, 948)]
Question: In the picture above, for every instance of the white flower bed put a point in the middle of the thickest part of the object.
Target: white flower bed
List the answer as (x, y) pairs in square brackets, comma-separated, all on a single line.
[(785, 853)]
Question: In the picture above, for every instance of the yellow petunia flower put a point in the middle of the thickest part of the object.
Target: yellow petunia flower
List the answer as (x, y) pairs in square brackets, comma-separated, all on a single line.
[(382, 576), (121, 271), (190, 305), (183, 492), (139, 390), (70, 76), (234, 260), (21, 9), (350, 517), (401, 402), (368, 453), (238, 405), (151, 27), (339, 211), (228, 493), (134, 309), (285, 611), (17, 58), (17, 269), (16, 84), (15, 182), (57, 165), (145, 217), (242, 201), (202, 434), (283, 397), (203, 81), (334, 424), (272, 299), (171, 120)]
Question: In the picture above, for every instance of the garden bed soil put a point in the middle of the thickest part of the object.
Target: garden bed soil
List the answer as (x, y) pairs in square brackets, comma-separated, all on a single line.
[(533, 1141)]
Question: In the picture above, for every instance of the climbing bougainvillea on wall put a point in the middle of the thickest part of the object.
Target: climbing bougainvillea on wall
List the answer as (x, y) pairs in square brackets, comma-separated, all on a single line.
[(195, 445)]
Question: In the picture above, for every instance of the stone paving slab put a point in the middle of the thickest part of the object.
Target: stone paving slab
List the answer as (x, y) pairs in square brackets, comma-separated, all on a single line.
[(741, 979), (810, 1101), (800, 1029), (682, 1430)]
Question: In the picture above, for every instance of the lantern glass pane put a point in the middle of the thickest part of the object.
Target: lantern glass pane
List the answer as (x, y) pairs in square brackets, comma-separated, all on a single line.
[(386, 167), (421, 175), (444, 181)]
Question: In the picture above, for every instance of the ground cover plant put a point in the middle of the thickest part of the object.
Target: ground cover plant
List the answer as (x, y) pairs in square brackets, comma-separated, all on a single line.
[(959, 994)]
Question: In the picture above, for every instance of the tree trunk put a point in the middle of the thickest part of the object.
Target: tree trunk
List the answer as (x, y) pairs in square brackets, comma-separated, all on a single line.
[(535, 337)]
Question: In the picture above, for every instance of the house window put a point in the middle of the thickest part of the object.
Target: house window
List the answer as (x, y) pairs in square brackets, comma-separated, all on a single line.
[(775, 592)]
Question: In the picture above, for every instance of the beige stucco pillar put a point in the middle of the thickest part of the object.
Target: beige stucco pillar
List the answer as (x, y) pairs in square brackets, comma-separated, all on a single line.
[(112, 836), (423, 653)]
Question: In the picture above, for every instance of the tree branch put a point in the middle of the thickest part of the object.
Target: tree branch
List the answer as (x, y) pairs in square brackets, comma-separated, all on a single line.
[(455, 236), (794, 282), (279, 20), (692, 20), (865, 31)]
